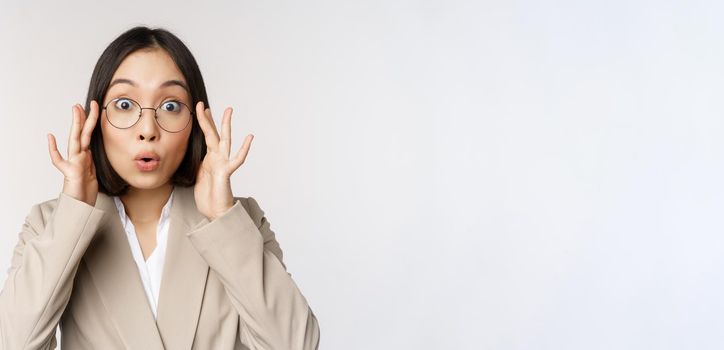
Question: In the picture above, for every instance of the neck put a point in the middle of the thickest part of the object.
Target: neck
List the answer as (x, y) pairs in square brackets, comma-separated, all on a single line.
[(144, 206)]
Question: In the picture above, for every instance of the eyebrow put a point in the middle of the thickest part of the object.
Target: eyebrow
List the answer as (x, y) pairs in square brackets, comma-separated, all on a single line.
[(165, 84)]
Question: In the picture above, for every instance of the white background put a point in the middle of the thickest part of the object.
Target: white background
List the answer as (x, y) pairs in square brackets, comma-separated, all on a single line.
[(439, 174)]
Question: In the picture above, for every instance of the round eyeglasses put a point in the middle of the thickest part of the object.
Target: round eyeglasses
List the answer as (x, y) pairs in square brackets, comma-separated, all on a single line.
[(171, 115)]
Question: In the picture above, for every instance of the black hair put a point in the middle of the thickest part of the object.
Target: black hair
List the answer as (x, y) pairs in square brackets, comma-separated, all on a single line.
[(134, 39)]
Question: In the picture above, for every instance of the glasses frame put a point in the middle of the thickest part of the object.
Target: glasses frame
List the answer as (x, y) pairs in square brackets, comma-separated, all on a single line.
[(140, 113)]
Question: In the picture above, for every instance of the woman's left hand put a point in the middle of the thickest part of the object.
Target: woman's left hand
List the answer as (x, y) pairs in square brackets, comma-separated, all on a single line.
[(213, 183)]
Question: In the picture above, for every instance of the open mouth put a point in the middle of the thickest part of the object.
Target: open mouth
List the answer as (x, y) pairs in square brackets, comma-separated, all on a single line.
[(147, 164)]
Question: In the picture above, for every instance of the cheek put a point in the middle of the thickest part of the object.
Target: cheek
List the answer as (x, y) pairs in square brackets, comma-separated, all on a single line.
[(113, 142), (177, 147)]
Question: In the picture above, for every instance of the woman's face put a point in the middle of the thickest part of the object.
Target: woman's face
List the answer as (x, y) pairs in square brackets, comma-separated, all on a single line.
[(144, 77)]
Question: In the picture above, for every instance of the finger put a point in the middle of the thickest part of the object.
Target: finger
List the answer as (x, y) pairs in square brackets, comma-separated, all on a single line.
[(206, 127), (73, 142), (89, 125), (92, 167), (225, 142), (241, 155), (212, 122), (55, 156)]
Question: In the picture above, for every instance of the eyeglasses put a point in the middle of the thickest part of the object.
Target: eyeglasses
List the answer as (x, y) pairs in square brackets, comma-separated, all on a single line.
[(171, 115)]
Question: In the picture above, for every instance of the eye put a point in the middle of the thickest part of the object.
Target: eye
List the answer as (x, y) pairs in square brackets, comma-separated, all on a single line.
[(123, 104), (171, 106)]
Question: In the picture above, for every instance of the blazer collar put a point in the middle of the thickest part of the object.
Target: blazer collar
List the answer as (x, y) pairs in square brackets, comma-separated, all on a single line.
[(115, 274)]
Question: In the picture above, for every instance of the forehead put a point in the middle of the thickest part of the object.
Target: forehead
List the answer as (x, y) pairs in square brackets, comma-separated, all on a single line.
[(148, 70)]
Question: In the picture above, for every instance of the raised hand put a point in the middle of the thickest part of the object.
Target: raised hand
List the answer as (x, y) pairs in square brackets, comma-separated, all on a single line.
[(213, 183), (78, 169)]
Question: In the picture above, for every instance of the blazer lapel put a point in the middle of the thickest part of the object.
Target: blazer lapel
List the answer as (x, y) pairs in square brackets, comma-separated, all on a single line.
[(114, 272), (116, 276), (184, 275)]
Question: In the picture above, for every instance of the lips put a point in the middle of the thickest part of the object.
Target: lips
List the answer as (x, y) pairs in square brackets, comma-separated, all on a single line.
[(147, 155), (147, 161)]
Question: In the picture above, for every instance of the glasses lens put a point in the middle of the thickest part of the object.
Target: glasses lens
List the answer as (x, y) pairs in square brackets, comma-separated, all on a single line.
[(123, 112), (173, 116)]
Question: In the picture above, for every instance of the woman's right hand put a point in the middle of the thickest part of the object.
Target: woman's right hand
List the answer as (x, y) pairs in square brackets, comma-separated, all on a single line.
[(78, 170)]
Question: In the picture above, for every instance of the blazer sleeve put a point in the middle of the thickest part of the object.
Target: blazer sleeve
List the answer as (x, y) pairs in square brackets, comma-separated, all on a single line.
[(39, 281), (241, 248)]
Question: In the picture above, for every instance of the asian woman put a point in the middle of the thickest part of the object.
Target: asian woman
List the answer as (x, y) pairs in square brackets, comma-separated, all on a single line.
[(146, 247)]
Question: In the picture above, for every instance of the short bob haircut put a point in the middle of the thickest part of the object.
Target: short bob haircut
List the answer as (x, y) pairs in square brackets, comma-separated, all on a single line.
[(134, 39)]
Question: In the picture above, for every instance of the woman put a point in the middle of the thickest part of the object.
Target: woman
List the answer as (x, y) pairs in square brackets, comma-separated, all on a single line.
[(147, 199)]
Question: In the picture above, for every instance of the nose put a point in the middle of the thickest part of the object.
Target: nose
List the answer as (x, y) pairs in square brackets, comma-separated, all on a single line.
[(148, 129)]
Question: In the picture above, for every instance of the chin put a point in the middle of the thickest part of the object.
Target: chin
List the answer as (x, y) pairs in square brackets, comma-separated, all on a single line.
[(146, 181)]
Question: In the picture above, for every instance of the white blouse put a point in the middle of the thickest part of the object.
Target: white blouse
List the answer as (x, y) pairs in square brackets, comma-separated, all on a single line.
[(151, 269)]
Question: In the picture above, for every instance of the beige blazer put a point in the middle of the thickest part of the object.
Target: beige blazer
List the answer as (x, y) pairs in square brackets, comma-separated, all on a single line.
[(224, 283)]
